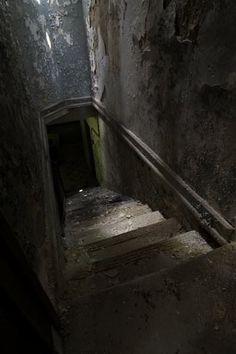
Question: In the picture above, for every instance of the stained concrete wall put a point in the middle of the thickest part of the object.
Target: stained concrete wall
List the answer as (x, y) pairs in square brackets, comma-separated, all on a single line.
[(44, 59), (167, 71), (69, 34), (53, 47), (27, 197), (29, 22)]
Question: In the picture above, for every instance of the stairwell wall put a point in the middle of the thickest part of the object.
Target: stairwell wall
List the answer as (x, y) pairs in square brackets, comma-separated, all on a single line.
[(166, 70), (51, 36), (27, 199), (44, 59)]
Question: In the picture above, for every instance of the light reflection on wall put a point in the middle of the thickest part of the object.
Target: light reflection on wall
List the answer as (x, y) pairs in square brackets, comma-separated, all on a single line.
[(48, 40)]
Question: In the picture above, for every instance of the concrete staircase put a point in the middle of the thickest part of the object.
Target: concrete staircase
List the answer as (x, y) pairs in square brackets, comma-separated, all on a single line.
[(122, 291)]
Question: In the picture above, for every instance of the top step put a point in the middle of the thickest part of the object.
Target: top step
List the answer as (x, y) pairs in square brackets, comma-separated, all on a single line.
[(88, 237), (93, 197), (90, 206), (111, 215)]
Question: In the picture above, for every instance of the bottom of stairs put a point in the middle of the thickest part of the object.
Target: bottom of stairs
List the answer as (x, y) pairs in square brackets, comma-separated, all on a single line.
[(187, 309), (138, 283)]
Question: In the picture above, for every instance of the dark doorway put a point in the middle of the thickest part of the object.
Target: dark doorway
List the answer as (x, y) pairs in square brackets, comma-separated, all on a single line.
[(71, 158)]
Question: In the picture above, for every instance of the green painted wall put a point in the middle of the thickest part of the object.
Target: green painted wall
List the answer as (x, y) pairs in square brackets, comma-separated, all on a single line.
[(93, 123)]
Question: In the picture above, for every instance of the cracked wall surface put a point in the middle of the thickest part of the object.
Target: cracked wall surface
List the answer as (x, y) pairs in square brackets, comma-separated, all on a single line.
[(27, 196), (167, 71), (69, 35), (53, 48)]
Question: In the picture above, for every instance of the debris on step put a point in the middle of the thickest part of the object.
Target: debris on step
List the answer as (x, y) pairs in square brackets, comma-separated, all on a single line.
[(129, 270), (158, 231), (107, 231), (111, 216), (131, 262)]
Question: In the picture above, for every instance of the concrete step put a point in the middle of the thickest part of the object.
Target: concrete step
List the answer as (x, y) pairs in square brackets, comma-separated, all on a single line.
[(163, 253), (112, 215), (88, 211), (108, 231), (81, 259), (131, 260), (159, 231), (190, 308), (92, 203), (93, 196)]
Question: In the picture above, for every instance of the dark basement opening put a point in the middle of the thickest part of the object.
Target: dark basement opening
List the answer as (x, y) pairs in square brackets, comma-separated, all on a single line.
[(72, 161)]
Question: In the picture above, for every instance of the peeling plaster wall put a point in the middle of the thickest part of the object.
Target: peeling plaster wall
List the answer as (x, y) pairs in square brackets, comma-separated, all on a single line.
[(27, 196), (29, 22), (71, 49), (53, 47), (167, 71)]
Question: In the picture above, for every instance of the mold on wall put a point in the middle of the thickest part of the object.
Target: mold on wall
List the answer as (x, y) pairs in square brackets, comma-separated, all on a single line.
[(166, 70), (96, 139)]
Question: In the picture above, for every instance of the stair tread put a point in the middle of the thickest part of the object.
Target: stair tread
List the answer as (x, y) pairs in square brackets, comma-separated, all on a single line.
[(162, 230), (81, 259), (196, 297), (109, 216), (94, 202), (138, 259), (109, 231), (179, 247), (94, 196)]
